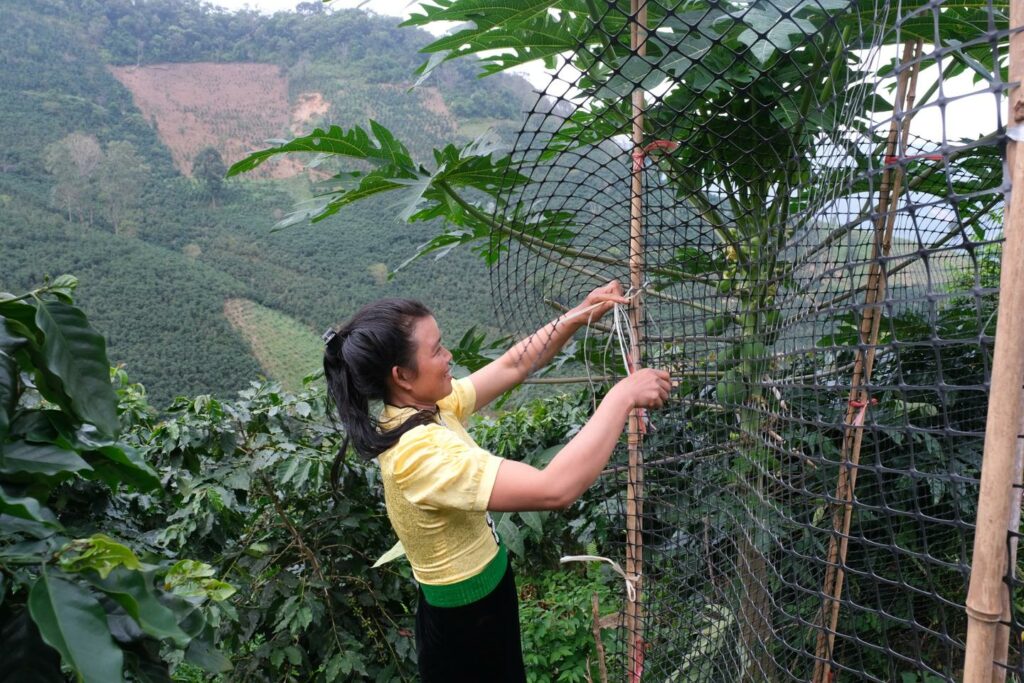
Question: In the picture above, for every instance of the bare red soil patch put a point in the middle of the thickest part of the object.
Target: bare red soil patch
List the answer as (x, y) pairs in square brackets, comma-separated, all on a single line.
[(308, 107), (234, 108)]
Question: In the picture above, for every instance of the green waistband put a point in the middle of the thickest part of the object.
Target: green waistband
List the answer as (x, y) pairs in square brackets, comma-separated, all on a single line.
[(468, 590)]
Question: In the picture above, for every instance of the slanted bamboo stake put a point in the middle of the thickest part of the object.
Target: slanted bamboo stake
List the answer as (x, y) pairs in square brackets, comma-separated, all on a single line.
[(1002, 641), (635, 481), (987, 594), (859, 400)]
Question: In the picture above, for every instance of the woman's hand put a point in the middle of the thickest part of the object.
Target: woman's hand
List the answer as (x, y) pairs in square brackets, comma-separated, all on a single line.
[(522, 487), (598, 302), (646, 388)]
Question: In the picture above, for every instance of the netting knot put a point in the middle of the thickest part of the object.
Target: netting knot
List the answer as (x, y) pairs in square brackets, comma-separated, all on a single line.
[(858, 420), (640, 153)]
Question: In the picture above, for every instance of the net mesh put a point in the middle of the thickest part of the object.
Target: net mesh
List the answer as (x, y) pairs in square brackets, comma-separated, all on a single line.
[(821, 211)]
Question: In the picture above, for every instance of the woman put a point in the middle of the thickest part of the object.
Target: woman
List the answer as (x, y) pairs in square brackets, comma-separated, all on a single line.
[(439, 485)]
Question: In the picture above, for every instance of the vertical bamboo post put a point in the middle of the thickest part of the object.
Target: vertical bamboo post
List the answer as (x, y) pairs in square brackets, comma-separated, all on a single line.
[(988, 594), (634, 486), (885, 221)]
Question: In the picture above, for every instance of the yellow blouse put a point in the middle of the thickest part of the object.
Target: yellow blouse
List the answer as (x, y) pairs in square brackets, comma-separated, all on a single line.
[(437, 483)]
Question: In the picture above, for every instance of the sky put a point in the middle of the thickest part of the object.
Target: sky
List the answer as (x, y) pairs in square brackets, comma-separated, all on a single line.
[(964, 117)]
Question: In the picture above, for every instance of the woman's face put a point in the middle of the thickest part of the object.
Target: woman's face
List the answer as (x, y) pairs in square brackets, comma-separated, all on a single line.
[(432, 379)]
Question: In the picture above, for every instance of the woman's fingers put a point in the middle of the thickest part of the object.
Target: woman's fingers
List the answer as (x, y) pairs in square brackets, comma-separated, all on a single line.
[(604, 298), (648, 388)]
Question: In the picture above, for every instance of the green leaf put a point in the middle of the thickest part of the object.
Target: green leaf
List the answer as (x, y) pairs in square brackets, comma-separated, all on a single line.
[(9, 343), (510, 535), (11, 525), (40, 458), (503, 35), (190, 578), (26, 508), (118, 464), (207, 657), (534, 521), (72, 621), (76, 353), (132, 591), (99, 553), (63, 286), (355, 143)]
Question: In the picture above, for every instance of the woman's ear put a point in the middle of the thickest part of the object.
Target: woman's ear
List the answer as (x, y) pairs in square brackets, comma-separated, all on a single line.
[(401, 377)]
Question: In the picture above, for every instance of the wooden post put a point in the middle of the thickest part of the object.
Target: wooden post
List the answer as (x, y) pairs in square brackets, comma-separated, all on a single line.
[(987, 595), (888, 200), (635, 482)]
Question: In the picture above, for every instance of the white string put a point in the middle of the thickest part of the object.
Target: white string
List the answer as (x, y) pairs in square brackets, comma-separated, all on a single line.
[(630, 580), (618, 314)]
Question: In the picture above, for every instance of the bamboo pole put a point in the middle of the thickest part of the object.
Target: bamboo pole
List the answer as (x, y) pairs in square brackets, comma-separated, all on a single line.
[(987, 594), (1002, 641), (635, 481), (888, 198)]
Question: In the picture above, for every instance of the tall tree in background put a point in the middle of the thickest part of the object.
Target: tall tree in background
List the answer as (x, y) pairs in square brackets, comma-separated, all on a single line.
[(121, 179), (209, 169), (74, 161)]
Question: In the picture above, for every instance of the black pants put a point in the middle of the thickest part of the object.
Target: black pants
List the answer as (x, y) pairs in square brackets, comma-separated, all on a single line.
[(475, 643)]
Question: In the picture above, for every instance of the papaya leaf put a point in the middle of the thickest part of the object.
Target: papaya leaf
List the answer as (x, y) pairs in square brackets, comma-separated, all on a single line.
[(508, 34), (76, 353), (356, 143), (74, 623)]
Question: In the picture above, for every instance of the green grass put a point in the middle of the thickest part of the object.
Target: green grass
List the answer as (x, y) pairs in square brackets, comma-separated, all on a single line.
[(285, 349)]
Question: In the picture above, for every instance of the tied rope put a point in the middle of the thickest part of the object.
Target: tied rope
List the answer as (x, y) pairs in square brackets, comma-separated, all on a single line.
[(630, 580), (624, 336)]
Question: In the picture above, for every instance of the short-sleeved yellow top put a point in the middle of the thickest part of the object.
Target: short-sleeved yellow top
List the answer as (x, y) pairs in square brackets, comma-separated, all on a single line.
[(437, 483)]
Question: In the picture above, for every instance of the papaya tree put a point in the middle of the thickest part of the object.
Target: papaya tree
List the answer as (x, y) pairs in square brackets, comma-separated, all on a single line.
[(750, 107)]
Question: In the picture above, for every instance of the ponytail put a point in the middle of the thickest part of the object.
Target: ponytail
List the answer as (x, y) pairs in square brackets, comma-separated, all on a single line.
[(358, 359)]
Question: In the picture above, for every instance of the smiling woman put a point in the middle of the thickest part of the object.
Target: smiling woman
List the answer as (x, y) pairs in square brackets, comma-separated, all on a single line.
[(439, 484)]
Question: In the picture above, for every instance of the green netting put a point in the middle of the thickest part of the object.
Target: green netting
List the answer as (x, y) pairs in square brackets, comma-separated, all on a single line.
[(820, 260)]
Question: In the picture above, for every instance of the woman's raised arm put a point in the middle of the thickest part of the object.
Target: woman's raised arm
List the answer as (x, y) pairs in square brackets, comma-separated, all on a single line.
[(522, 487), (537, 350)]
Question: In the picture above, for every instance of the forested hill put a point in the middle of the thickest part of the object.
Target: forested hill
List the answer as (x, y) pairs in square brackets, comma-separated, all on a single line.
[(117, 120)]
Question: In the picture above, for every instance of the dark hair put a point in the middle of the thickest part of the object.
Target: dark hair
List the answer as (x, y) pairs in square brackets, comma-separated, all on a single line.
[(357, 364)]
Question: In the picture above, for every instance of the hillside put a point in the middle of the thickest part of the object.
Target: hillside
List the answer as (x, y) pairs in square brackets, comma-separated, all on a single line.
[(108, 106), (230, 107), (284, 348)]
